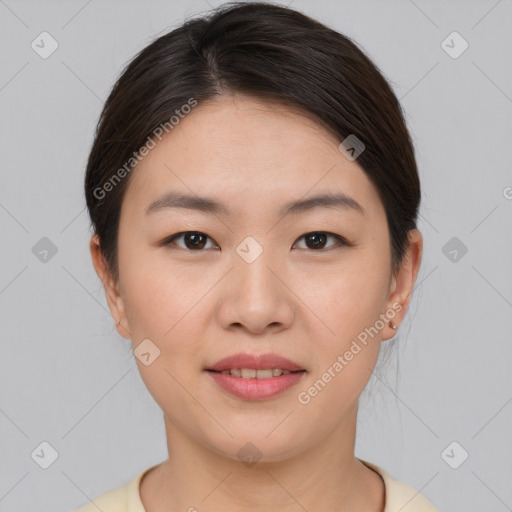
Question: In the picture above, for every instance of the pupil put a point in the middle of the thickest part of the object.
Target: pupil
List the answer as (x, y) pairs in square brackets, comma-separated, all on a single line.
[(316, 236), (194, 236)]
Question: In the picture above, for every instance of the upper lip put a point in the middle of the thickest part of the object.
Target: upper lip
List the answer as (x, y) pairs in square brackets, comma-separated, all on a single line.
[(257, 362)]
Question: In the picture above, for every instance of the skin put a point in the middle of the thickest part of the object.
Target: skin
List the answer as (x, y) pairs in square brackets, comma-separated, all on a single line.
[(307, 304)]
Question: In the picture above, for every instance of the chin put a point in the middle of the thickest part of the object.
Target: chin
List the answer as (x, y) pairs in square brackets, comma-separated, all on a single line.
[(261, 442)]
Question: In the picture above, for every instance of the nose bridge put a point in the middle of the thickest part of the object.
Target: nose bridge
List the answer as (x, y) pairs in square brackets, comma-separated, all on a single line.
[(256, 266)]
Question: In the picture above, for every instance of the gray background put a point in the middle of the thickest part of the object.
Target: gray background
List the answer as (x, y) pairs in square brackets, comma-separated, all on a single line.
[(68, 378)]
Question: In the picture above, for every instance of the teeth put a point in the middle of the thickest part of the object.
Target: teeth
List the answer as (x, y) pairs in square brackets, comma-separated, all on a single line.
[(251, 373), (248, 373)]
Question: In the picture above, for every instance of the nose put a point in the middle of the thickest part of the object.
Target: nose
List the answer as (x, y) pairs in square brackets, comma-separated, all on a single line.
[(256, 296)]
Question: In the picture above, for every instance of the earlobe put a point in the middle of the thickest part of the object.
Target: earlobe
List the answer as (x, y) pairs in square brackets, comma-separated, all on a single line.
[(114, 298), (122, 331)]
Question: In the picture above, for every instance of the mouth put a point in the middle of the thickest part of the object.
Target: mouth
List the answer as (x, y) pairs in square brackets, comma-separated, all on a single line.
[(253, 377)]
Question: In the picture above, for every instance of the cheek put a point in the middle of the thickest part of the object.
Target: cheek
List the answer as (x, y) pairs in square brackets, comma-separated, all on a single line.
[(350, 298), (166, 310), (349, 306), (156, 296), (346, 354), (172, 309)]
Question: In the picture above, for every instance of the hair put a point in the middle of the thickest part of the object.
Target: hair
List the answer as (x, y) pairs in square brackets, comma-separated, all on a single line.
[(270, 52)]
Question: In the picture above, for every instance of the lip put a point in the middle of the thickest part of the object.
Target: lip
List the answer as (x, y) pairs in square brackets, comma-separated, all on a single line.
[(256, 389), (256, 362)]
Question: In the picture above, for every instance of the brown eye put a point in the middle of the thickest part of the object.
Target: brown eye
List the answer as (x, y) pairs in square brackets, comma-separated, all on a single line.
[(196, 241), (193, 240), (316, 240)]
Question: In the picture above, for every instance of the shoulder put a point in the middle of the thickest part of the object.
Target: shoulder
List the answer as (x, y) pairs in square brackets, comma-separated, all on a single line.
[(400, 496), (125, 498)]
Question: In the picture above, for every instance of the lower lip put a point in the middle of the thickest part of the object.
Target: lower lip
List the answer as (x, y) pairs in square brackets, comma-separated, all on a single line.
[(256, 389)]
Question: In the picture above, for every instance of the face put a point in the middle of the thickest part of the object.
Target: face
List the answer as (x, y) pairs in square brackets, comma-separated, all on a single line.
[(253, 278)]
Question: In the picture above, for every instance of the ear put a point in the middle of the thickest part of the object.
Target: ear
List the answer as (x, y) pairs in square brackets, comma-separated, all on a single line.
[(114, 299), (402, 283)]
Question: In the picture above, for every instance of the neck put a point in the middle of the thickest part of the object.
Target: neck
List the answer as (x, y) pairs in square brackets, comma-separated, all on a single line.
[(327, 476)]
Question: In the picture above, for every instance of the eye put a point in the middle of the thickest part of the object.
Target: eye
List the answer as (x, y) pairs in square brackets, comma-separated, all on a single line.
[(194, 240), (318, 240)]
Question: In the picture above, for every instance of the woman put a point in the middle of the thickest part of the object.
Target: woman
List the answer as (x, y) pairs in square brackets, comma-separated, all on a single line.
[(253, 192)]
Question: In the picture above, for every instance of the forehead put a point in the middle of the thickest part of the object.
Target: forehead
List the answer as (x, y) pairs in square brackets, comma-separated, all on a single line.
[(246, 151)]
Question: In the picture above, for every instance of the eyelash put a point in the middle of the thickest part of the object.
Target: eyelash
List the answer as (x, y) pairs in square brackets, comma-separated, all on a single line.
[(341, 241)]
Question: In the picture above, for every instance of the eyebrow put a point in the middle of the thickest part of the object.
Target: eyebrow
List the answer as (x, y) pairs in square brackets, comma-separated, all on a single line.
[(212, 206)]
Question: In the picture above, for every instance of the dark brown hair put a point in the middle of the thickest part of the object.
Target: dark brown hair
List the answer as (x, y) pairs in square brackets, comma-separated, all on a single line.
[(263, 50)]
